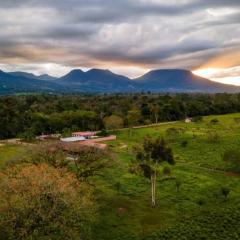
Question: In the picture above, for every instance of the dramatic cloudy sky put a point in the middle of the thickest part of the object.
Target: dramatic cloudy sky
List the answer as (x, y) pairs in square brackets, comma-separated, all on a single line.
[(127, 36)]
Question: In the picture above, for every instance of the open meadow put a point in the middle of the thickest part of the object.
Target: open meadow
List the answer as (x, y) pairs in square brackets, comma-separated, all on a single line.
[(191, 200)]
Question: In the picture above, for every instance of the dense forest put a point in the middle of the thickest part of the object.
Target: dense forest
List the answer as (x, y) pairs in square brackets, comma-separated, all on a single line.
[(44, 114)]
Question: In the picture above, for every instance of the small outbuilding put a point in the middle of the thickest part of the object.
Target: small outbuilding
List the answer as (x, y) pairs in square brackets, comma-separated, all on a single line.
[(188, 120)]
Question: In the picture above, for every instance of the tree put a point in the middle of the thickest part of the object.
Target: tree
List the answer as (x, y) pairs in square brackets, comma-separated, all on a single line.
[(113, 122), (28, 135), (42, 202), (150, 157), (133, 118), (90, 161), (155, 109), (50, 153)]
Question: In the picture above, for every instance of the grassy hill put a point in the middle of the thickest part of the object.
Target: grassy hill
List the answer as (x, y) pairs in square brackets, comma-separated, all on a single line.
[(197, 211), (199, 166)]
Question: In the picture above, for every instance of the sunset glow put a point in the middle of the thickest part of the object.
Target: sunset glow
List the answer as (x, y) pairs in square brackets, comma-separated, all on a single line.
[(223, 75), (127, 37)]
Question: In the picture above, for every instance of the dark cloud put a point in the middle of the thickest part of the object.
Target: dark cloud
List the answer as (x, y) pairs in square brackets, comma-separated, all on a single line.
[(136, 32)]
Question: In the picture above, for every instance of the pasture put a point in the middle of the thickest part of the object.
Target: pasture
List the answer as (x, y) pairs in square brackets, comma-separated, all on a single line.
[(189, 196)]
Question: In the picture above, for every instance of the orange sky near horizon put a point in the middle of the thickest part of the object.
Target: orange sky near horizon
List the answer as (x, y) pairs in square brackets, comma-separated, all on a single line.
[(224, 68)]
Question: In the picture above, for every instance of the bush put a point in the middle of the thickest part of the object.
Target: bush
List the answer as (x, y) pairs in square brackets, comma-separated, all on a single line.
[(50, 153), (174, 131), (166, 170), (225, 192), (237, 120), (232, 157), (103, 133), (178, 184), (213, 137), (184, 143), (214, 121), (200, 202), (28, 135), (197, 119)]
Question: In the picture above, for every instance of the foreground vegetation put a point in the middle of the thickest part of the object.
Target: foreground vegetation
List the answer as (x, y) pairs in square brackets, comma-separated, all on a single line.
[(193, 192), (197, 198)]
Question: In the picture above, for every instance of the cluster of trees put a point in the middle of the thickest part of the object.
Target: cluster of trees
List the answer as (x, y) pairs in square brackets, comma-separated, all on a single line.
[(37, 114), (48, 194), (45, 195)]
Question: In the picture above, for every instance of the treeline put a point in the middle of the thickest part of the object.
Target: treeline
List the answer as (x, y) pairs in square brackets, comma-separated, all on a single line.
[(43, 114)]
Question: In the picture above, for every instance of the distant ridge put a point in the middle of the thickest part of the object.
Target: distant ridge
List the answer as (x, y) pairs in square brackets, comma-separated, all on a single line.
[(105, 81), (180, 80), (45, 77), (98, 80)]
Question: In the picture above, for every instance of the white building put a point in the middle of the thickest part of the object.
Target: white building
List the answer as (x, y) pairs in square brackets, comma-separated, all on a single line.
[(73, 139)]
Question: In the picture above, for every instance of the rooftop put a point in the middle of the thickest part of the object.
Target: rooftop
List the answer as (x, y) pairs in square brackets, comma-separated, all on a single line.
[(73, 139)]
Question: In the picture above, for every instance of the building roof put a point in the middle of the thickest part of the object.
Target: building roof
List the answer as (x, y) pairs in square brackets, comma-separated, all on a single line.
[(84, 134), (73, 139)]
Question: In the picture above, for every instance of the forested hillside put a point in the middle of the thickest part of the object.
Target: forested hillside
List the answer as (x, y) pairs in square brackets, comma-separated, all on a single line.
[(37, 114)]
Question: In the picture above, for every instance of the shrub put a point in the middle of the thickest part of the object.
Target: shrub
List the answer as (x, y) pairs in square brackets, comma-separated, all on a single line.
[(166, 170), (50, 153), (103, 133), (184, 143), (237, 120), (118, 186), (174, 131), (28, 135), (232, 157), (214, 121), (197, 119), (178, 184), (213, 137), (200, 202), (225, 191)]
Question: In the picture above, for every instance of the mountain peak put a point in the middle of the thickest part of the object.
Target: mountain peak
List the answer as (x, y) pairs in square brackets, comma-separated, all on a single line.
[(101, 71), (105, 81), (77, 71)]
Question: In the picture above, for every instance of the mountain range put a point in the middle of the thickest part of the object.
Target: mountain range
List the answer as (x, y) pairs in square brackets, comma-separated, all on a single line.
[(105, 81)]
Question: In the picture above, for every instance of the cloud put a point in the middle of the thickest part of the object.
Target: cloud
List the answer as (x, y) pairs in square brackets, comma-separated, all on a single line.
[(137, 34)]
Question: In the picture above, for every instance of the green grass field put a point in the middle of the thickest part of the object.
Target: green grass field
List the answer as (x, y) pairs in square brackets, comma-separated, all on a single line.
[(124, 198), (199, 166)]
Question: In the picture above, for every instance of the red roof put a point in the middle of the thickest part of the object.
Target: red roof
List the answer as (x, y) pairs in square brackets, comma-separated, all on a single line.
[(84, 134)]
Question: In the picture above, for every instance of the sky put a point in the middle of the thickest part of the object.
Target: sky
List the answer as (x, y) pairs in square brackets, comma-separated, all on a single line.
[(129, 37)]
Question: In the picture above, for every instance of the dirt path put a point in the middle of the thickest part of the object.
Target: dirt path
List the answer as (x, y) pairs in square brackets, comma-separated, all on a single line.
[(214, 170), (145, 126), (15, 141)]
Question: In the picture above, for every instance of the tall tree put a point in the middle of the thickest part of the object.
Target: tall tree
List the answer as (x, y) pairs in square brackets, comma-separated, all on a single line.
[(133, 118), (90, 161), (113, 122), (149, 159)]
